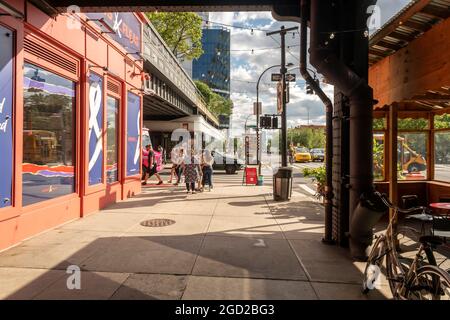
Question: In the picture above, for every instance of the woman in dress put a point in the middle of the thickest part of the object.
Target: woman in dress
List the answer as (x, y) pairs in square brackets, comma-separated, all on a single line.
[(191, 170)]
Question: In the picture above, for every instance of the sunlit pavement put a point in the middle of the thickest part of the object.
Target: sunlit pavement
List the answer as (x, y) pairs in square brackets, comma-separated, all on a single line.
[(233, 242)]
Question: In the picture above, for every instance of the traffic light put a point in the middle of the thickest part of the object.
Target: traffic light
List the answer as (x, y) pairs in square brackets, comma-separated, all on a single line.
[(309, 90), (266, 122), (275, 123), (269, 122)]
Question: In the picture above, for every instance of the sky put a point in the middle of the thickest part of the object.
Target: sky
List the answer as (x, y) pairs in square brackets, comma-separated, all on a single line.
[(246, 66)]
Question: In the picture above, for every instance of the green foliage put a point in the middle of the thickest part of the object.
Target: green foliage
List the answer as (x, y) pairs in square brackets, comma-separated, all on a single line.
[(215, 102), (378, 159), (318, 175), (442, 121), (307, 137), (182, 31), (379, 123), (412, 124)]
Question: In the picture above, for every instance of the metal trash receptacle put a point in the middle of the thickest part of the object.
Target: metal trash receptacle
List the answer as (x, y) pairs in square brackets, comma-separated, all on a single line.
[(282, 184)]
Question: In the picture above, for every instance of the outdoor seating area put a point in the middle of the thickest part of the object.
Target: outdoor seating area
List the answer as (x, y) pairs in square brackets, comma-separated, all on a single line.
[(411, 145)]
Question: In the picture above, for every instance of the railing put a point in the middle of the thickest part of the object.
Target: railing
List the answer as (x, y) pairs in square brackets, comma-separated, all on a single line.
[(159, 55)]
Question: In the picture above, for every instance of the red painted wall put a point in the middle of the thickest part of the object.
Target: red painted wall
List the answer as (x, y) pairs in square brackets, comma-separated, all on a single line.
[(87, 47)]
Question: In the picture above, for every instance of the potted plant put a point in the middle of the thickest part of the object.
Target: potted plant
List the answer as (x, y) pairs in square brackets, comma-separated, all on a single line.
[(319, 176)]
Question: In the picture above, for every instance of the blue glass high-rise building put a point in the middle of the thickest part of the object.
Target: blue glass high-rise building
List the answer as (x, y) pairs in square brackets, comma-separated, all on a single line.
[(213, 66)]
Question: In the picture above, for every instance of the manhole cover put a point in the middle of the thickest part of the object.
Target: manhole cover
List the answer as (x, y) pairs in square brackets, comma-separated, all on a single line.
[(155, 223)]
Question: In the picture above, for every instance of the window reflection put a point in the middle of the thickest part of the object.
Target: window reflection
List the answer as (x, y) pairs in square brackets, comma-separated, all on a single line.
[(112, 125), (48, 169), (412, 156)]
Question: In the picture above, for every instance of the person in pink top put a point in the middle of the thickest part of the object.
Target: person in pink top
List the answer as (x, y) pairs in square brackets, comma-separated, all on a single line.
[(149, 165)]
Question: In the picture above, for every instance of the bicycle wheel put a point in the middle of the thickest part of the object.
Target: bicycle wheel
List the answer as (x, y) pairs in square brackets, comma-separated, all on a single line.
[(429, 283), (372, 271)]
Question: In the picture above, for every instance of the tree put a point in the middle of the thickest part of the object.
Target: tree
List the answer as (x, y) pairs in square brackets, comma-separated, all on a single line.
[(307, 137), (182, 32), (215, 102)]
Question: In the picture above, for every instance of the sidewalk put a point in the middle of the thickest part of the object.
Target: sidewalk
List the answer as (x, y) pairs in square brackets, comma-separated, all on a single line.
[(234, 242)]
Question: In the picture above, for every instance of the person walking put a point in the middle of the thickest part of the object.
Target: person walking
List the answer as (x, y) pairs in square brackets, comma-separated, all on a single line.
[(191, 170), (163, 154), (149, 165), (176, 157), (207, 170)]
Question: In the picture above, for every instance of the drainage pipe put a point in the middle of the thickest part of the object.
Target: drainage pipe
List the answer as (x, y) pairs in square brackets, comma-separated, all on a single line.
[(323, 57), (329, 117)]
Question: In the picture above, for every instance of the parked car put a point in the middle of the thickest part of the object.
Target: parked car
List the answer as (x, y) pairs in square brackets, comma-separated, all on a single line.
[(302, 155), (318, 155), (229, 163)]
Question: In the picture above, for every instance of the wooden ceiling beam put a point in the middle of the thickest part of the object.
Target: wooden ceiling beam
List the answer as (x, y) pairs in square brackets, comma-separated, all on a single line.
[(436, 12)]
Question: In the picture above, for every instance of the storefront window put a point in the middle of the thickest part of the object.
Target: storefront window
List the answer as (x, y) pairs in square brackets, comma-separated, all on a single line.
[(48, 169), (112, 125), (378, 156), (412, 156)]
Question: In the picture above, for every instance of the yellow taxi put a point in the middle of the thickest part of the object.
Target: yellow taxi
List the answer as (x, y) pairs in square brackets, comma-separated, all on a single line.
[(302, 155)]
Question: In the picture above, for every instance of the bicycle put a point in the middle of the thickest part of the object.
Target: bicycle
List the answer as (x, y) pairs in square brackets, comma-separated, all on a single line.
[(417, 280)]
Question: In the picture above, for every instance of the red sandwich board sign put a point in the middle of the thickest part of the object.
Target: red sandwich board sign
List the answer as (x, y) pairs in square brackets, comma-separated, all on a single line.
[(250, 176)]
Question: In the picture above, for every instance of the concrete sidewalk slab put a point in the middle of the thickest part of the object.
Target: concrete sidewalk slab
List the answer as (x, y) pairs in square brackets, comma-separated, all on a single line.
[(26, 283), (219, 288), (245, 226), (137, 253), (226, 256), (184, 224), (151, 287), (94, 286)]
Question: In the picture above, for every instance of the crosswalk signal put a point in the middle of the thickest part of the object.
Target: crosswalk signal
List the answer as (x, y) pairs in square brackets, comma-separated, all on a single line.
[(275, 123)]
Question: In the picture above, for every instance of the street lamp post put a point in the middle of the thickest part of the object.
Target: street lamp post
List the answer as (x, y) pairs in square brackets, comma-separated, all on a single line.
[(257, 113), (258, 160), (283, 71)]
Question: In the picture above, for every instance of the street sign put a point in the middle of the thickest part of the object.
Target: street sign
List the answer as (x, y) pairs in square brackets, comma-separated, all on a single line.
[(290, 77), (255, 111), (280, 97), (276, 77)]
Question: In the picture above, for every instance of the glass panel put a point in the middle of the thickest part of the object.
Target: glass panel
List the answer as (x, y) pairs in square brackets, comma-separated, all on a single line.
[(442, 121), (378, 156), (413, 124), (48, 136), (442, 156), (112, 139), (412, 155)]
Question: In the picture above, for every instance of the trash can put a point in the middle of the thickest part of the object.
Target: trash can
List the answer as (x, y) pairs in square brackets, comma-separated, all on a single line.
[(260, 180), (282, 184)]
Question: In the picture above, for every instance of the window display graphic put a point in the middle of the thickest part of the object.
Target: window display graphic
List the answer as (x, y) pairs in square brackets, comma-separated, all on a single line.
[(95, 129), (133, 134)]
